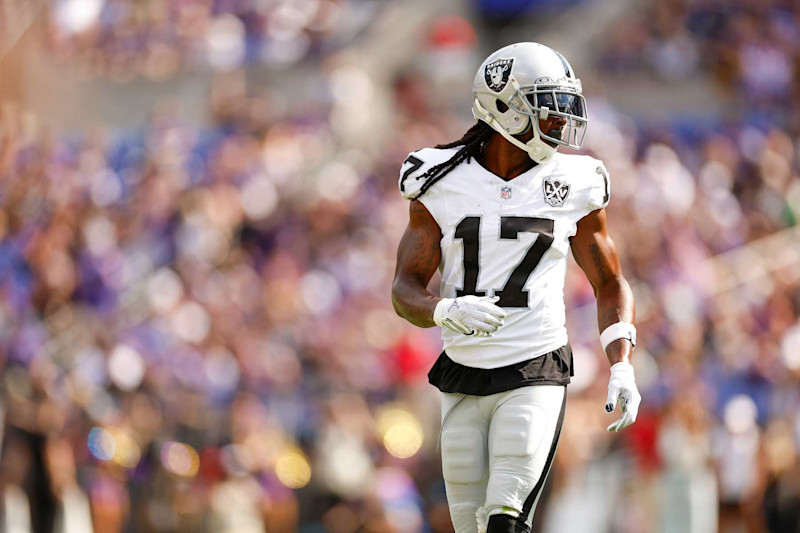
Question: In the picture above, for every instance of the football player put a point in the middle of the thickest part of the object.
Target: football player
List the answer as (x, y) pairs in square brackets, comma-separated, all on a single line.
[(497, 213)]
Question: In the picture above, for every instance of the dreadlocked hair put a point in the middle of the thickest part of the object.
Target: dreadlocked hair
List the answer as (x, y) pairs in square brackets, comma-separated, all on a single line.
[(472, 144)]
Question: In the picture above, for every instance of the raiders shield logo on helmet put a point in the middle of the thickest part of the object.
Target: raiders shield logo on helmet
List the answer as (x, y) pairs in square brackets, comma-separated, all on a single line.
[(496, 74), (555, 191)]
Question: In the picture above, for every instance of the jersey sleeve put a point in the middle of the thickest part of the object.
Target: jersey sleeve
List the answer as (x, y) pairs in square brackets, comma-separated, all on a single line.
[(415, 168), (600, 189), (411, 175)]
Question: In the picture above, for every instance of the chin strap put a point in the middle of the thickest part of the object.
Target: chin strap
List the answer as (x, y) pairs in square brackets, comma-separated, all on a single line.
[(536, 148)]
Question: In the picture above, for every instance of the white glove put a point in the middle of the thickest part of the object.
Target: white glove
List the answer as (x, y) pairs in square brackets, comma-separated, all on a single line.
[(622, 386), (470, 315)]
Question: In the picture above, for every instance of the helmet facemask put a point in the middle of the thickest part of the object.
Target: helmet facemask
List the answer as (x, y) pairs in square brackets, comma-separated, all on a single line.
[(545, 101)]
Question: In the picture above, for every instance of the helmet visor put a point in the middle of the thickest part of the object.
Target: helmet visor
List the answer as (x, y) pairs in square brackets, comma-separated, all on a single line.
[(564, 103), (546, 102)]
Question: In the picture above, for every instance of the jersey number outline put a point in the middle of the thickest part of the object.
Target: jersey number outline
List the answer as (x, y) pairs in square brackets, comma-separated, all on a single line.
[(416, 163), (512, 294)]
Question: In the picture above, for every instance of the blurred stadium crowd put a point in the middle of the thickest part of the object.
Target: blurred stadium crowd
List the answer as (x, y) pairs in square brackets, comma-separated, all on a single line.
[(748, 47), (121, 39), (196, 330)]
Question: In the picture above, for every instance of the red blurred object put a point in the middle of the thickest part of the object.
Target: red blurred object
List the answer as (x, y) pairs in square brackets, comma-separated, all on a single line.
[(211, 468), (452, 32), (413, 356), (643, 439)]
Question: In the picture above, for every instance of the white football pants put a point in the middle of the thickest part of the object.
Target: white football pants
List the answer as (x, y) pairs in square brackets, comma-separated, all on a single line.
[(497, 451)]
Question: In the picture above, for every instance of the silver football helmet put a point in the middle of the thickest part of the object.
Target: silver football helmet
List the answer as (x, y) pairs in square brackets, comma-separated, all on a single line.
[(522, 82)]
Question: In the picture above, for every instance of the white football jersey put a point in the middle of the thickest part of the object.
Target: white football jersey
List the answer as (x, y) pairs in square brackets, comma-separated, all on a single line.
[(508, 239)]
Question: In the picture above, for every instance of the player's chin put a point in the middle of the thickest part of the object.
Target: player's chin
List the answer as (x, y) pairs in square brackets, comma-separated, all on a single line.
[(554, 134)]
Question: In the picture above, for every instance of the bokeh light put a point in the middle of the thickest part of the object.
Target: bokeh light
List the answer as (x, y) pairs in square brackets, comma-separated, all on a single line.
[(164, 289), (191, 322), (225, 42), (293, 469), (102, 443), (111, 444), (100, 234), (127, 452), (126, 367), (740, 414), (403, 440), (180, 459), (75, 16), (400, 432), (259, 197), (790, 348)]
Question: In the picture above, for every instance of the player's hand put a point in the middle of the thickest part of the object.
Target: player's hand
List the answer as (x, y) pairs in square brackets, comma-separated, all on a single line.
[(470, 315), (622, 387)]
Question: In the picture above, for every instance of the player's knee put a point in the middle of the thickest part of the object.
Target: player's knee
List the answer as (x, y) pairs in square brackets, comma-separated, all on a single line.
[(519, 430), (504, 523), (463, 460)]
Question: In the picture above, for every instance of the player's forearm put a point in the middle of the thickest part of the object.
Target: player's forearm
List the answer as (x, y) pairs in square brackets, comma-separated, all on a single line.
[(615, 304), (414, 303)]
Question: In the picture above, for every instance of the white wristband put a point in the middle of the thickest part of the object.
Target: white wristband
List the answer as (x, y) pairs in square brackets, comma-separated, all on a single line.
[(620, 330), (438, 311)]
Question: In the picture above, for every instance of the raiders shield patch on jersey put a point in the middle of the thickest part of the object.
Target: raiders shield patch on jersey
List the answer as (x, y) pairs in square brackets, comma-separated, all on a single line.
[(555, 191), (496, 74)]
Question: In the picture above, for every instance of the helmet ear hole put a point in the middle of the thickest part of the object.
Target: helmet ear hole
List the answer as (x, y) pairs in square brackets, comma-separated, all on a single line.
[(501, 106)]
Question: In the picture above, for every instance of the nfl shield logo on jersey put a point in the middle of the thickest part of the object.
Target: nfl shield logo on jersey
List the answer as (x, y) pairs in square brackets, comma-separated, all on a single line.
[(555, 191), (505, 193)]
